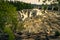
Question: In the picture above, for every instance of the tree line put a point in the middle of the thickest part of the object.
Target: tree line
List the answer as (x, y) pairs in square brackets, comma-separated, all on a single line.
[(21, 5)]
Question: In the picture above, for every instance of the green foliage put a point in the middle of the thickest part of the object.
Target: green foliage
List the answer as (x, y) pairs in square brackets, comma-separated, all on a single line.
[(8, 15), (10, 33), (44, 7), (21, 5), (57, 33), (58, 1)]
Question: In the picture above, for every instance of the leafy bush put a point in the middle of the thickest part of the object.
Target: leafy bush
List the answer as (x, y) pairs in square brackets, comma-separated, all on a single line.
[(57, 33), (10, 33), (8, 15)]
